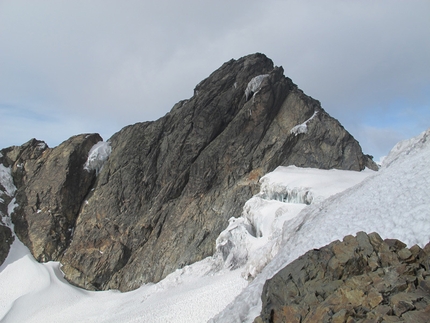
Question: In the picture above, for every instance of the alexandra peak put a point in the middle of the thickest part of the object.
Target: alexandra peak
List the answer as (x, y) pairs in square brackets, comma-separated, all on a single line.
[(156, 195)]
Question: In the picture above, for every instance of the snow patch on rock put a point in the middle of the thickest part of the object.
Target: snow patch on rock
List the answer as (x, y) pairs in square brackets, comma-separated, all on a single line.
[(97, 156), (406, 147), (254, 85), (302, 128), (6, 180)]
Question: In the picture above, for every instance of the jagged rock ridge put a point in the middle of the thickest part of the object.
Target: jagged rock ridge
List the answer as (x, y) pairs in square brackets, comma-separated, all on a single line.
[(361, 279), (170, 186)]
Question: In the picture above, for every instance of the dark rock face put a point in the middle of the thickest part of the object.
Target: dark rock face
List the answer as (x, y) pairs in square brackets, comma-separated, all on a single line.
[(170, 186), (362, 279), (51, 187), (6, 240), (6, 237)]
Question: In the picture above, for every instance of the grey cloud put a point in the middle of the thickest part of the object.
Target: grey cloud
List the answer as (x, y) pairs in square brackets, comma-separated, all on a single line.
[(106, 64)]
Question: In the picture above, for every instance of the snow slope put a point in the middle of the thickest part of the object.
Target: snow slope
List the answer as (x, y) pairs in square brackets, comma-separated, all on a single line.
[(33, 292), (395, 203), (316, 208)]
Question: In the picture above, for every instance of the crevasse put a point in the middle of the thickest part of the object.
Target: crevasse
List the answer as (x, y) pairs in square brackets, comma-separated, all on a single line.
[(296, 195)]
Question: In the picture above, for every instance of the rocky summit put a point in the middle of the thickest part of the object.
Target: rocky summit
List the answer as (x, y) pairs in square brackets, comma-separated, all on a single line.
[(169, 187), (361, 279)]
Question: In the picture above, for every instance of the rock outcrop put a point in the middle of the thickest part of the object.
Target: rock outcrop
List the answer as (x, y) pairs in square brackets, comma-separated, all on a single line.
[(170, 186), (362, 279), (52, 185)]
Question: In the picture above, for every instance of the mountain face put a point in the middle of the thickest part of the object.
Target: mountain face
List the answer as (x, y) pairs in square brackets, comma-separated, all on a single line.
[(170, 186)]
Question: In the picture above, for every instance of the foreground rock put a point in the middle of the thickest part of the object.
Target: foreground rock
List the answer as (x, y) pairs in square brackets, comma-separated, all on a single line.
[(170, 186), (362, 279)]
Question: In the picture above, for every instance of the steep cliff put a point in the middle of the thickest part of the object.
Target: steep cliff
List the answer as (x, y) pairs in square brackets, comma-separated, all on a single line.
[(169, 186)]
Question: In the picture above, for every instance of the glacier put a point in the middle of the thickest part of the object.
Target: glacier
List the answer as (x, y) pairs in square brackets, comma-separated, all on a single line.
[(394, 203), (6, 180)]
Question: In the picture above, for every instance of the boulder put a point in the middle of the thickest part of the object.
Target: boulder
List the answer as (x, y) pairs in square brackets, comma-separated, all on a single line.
[(361, 279)]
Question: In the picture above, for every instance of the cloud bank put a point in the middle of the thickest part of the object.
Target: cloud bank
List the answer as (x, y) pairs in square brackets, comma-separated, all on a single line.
[(96, 66)]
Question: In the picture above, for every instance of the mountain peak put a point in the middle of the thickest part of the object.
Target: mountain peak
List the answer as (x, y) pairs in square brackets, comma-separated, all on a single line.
[(169, 186)]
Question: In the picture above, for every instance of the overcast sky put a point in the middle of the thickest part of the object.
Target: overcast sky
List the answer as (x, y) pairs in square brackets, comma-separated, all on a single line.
[(77, 66)]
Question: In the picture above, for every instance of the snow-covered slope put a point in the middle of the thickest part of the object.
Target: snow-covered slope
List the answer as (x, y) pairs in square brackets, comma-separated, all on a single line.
[(395, 203), (316, 208)]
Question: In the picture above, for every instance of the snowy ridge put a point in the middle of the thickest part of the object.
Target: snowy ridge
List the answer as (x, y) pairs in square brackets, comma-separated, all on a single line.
[(406, 147), (97, 156), (395, 203)]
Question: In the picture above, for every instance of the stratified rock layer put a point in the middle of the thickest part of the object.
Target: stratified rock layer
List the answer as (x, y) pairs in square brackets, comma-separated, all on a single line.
[(362, 279), (170, 186)]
